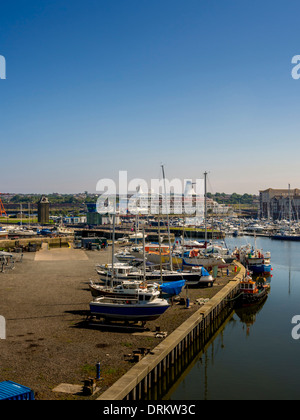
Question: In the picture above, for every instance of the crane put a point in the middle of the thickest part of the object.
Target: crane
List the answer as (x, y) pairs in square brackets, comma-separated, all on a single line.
[(2, 209)]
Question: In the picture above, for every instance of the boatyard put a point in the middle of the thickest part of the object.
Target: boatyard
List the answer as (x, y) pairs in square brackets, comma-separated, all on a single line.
[(45, 301)]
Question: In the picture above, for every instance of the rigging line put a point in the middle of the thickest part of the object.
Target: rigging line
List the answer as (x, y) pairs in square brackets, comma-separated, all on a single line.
[(229, 300)]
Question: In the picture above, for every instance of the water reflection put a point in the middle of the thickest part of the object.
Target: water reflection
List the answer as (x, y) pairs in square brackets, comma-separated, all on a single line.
[(261, 333), (247, 315)]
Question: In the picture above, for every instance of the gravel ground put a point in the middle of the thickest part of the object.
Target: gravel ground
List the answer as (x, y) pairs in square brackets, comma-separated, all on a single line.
[(45, 302)]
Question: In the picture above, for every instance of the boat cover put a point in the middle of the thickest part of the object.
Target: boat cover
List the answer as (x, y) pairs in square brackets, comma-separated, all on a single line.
[(172, 288), (204, 272)]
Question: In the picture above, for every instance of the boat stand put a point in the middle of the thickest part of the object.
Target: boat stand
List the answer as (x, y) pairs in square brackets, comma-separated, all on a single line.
[(124, 325)]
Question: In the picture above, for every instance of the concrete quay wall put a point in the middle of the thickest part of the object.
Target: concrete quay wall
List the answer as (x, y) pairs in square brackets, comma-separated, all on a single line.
[(12, 243), (151, 368)]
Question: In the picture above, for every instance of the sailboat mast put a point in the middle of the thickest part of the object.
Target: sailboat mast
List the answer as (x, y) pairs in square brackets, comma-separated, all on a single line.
[(205, 205), (113, 249), (289, 208), (170, 250), (144, 257), (159, 243)]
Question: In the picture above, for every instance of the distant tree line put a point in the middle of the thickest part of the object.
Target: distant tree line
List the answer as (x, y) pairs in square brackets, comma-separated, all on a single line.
[(233, 198), (53, 198), (83, 198)]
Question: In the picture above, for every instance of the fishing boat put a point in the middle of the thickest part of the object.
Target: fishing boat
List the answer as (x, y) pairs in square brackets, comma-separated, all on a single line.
[(257, 261), (252, 292)]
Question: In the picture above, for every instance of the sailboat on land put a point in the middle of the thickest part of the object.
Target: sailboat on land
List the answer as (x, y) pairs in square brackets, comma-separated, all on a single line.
[(137, 306)]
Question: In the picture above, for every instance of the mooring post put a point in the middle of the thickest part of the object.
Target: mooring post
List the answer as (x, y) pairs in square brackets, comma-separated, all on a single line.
[(98, 370)]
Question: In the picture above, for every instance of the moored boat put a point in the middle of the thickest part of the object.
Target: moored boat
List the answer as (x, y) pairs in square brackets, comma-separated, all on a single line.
[(252, 292), (257, 261)]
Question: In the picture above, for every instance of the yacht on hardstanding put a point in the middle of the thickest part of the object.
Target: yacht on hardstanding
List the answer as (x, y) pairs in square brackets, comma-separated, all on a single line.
[(138, 307)]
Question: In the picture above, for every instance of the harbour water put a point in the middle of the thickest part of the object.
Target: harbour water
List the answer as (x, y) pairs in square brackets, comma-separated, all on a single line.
[(254, 355)]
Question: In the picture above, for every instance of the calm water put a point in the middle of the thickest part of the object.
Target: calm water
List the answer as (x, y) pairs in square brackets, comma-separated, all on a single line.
[(254, 355)]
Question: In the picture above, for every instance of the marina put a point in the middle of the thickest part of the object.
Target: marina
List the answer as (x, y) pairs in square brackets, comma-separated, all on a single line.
[(143, 309), (50, 288), (149, 203)]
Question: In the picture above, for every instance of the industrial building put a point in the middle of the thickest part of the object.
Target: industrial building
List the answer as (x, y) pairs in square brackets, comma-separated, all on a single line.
[(43, 210)]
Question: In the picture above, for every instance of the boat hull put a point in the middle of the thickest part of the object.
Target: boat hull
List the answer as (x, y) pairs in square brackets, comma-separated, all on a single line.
[(286, 238), (154, 276), (252, 299), (129, 312), (260, 269)]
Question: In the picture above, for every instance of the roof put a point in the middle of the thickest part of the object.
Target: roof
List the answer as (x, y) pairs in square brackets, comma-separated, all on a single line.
[(44, 199), (281, 192), (12, 391)]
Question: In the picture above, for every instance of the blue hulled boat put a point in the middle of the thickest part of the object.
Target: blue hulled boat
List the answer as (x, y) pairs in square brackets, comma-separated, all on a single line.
[(260, 268), (257, 261), (128, 309)]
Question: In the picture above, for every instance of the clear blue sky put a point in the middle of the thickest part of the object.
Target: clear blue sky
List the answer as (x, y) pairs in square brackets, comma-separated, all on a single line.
[(100, 86)]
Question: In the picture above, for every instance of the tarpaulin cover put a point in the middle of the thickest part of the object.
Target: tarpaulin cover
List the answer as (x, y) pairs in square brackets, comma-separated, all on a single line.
[(173, 287)]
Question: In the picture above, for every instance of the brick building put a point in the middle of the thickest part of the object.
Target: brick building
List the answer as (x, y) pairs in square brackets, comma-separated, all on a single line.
[(279, 204)]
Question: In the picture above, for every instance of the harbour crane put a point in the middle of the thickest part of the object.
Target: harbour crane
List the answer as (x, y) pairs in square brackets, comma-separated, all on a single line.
[(2, 209)]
